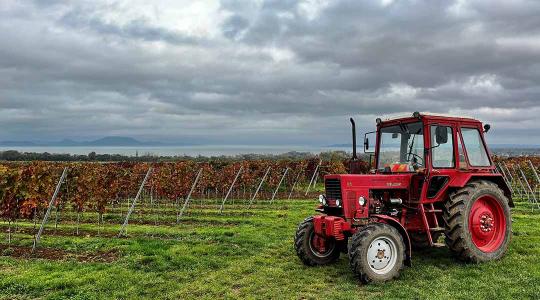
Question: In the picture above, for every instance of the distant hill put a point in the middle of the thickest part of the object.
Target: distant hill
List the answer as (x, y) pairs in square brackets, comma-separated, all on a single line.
[(118, 141)]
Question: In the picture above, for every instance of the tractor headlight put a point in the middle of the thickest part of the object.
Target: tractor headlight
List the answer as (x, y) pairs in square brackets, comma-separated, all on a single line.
[(362, 201), (322, 199), (338, 203)]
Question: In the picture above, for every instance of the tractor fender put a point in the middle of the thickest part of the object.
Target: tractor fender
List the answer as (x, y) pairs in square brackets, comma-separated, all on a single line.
[(461, 181), (394, 223)]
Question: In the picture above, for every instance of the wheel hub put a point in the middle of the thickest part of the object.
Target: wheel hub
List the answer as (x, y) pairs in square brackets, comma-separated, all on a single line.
[(487, 224), (381, 255)]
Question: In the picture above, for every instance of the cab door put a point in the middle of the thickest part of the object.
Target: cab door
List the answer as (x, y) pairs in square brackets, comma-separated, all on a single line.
[(442, 159)]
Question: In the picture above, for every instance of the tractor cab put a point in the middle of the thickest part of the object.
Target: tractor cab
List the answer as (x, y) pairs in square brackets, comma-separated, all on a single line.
[(428, 142), (431, 178)]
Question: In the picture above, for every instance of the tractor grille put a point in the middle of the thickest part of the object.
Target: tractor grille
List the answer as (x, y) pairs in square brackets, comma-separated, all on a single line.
[(333, 189)]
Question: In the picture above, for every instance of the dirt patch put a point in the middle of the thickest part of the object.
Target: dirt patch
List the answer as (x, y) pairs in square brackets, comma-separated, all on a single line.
[(25, 252)]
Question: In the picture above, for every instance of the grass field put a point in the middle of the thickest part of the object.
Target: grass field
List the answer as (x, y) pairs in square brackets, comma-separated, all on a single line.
[(239, 254)]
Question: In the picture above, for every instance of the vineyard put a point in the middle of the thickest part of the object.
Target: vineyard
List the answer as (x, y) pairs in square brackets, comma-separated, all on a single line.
[(215, 230), (111, 190)]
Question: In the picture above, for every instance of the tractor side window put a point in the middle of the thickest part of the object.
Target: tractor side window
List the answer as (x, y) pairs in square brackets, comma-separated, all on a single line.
[(474, 146), (442, 154)]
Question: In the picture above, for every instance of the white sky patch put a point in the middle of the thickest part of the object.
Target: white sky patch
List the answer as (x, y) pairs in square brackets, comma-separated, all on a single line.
[(485, 83), (386, 3), (520, 43), (280, 54), (199, 18), (311, 9), (461, 9), (401, 91)]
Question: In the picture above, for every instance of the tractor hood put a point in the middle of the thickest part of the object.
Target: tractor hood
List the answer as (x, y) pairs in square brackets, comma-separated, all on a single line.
[(346, 189), (373, 181)]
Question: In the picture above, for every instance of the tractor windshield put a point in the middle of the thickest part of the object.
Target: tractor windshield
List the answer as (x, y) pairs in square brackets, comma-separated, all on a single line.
[(402, 147)]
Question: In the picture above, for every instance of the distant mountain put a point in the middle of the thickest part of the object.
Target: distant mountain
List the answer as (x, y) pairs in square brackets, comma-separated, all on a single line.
[(118, 141)]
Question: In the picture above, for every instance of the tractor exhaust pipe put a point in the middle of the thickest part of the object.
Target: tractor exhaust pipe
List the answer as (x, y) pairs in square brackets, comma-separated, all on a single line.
[(354, 157)]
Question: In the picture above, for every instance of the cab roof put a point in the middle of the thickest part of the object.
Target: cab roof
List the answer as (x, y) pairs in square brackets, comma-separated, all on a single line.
[(429, 116)]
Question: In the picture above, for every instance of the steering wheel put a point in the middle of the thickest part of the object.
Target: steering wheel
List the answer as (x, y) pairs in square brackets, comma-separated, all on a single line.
[(416, 156)]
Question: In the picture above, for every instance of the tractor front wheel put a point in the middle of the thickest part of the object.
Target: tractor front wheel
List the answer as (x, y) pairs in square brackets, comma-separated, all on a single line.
[(313, 249), (478, 223), (377, 253)]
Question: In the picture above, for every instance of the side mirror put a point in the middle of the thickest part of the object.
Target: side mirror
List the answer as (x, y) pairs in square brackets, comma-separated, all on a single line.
[(441, 135), (487, 127), (366, 142)]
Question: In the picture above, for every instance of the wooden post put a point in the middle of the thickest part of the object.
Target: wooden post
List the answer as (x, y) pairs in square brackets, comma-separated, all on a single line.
[(230, 189)]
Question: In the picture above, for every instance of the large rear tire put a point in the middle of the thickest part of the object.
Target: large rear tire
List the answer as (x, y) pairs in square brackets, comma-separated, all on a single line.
[(308, 246), (478, 224), (377, 253)]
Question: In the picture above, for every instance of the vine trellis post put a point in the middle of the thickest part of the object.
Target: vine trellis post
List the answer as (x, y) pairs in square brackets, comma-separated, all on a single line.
[(181, 212), (313, 177), (230, 189), (294, 185), (48, 212), (279, 185), (132, 207), (259, 187)]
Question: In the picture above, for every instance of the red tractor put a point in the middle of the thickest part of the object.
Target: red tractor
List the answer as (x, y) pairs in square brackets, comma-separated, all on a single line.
[(433, 177)]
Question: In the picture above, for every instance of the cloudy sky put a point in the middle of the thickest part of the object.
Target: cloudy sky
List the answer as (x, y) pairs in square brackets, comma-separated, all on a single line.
[(263, 72)]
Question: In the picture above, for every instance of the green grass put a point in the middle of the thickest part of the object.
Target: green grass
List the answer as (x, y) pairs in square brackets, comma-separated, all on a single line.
[(246, 254)]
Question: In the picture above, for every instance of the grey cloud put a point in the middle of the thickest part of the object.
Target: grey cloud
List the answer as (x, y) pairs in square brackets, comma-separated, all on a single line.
[(275, 75)]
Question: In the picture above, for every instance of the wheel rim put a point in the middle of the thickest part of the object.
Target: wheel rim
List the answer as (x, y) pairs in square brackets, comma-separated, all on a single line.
[(382, 255), (320, 246), (487, 224)]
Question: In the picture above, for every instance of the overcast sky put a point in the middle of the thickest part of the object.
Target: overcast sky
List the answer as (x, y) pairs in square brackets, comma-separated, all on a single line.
[(263, 72)]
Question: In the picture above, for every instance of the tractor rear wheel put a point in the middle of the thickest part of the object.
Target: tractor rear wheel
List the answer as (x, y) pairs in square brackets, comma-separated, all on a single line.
[(477, 222), (377, 253), (313, 249)]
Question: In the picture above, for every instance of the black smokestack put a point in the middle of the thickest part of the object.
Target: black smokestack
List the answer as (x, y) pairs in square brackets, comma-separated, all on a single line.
[(354, 157)]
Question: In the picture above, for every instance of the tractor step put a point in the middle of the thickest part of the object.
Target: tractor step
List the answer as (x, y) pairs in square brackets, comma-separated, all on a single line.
[(434, 210), (439, 245), (436, 229)]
